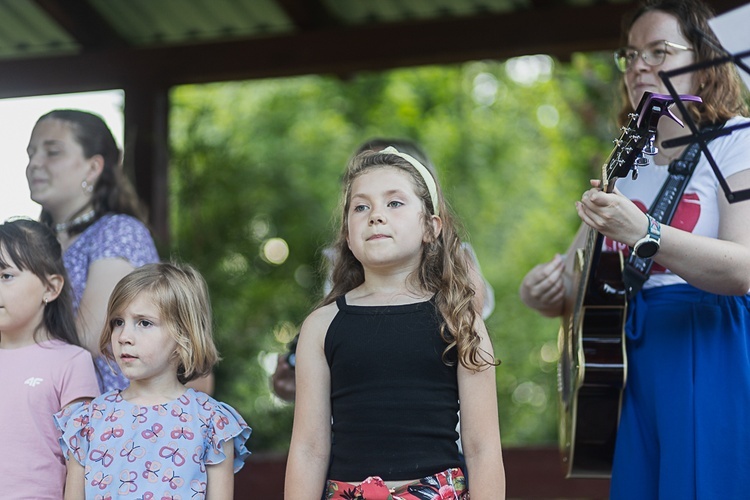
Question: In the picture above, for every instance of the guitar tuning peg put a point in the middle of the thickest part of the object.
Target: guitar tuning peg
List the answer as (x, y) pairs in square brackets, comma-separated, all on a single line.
[(634, 172), (650, 149), (640, 161)]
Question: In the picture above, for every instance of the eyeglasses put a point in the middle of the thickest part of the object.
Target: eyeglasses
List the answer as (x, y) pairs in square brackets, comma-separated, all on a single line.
[(652, 54)]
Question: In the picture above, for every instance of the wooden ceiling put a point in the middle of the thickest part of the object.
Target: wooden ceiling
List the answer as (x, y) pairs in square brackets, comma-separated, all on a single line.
[(58, 46)]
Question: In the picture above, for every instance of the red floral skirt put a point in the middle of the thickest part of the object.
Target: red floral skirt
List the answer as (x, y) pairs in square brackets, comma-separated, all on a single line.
[(447, 485)]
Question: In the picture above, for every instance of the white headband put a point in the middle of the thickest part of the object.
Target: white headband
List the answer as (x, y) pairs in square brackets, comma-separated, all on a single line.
[(426, 175)]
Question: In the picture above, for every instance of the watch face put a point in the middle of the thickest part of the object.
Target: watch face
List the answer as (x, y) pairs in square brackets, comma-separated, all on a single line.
[(647, 249)]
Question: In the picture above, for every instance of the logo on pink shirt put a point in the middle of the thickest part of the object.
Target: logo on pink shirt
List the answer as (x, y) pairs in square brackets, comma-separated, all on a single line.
[(33, 381)]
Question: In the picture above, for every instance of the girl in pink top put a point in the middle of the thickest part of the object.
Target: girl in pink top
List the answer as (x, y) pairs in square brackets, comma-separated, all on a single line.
[(42, 367)]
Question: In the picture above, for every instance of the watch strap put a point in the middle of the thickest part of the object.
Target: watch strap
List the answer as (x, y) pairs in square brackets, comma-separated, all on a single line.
[(654, 228), (653, 237)]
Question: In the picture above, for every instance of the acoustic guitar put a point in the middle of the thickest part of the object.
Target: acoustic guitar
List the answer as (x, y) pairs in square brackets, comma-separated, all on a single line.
[(592, 368)]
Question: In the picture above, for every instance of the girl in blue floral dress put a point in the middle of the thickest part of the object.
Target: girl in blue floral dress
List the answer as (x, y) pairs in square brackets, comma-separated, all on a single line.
[(157, 438)]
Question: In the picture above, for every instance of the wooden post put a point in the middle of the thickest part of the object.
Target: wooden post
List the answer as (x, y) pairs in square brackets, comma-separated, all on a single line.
[(146, 156)]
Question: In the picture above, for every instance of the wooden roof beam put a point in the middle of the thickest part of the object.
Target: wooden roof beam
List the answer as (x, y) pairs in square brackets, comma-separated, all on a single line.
[(84, 23), (339, 51), (308, 14)]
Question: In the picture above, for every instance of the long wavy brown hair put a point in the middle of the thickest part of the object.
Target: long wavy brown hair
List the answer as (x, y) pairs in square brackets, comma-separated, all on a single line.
[(720, 85), (443, 270)]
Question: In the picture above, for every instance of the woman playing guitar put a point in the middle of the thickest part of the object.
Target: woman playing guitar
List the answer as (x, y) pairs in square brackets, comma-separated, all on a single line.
[(683, 429)]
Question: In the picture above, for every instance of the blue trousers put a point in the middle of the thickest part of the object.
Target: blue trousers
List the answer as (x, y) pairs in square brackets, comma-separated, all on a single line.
[(684, 431)]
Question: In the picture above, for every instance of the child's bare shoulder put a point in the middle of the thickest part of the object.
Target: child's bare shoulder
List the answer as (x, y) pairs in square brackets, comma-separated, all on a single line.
[(318, 321)]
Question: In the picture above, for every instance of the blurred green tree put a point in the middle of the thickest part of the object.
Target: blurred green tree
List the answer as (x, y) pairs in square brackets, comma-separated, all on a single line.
[(255, 187)]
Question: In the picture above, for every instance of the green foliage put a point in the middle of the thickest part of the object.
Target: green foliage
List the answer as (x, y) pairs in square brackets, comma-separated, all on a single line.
[(260, 160)]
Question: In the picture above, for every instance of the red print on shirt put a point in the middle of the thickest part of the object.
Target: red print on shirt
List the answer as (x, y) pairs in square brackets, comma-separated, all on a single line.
[(686, 217)]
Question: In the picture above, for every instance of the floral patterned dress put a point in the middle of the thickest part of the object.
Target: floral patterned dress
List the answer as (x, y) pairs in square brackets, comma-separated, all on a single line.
[(447, 485), (151, 452)]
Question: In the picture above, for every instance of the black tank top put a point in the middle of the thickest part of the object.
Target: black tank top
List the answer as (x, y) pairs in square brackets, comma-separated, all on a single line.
[(394, 401)]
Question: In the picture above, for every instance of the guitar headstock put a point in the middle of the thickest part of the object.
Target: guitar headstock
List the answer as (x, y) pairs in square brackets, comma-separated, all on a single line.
[(638, 137)]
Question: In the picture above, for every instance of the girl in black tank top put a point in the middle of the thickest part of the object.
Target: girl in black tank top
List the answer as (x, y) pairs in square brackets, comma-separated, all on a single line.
[(383, 363)]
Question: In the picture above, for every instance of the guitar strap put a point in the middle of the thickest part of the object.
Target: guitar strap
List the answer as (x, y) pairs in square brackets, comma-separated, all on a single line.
[(637, 269)]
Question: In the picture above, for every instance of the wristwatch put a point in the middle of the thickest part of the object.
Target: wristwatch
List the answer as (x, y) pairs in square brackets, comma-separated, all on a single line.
[(646, 247)]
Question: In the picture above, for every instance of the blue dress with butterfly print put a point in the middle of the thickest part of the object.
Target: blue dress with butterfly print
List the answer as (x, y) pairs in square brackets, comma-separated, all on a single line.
[(143, 452)]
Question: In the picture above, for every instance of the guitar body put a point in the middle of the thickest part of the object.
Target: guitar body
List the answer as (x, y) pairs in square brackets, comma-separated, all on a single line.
[(592, 369)]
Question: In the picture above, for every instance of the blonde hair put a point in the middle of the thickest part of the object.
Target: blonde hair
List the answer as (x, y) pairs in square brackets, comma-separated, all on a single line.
[(180, 294), (443, 269)]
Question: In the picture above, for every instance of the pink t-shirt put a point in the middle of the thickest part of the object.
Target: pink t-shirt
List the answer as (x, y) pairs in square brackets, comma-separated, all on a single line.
[(35, 382)]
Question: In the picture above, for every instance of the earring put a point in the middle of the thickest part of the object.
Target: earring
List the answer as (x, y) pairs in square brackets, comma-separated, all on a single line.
[(87, 187), (45, 301)]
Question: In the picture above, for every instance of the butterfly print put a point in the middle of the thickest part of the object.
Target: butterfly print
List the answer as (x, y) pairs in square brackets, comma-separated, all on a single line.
[(221, 421), (115, 397), (181, 414), (81, 421), (139, 415), (198, 458), (75, 448), (101, 480), (103, 455), (127, 482), (148, 452), (98, 410), (114, 415), (172, 452), (160, 409), (198, 488), (152, 471), (154, 432), (116, 432), (173, 479), (132, 451), (182, 432)]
